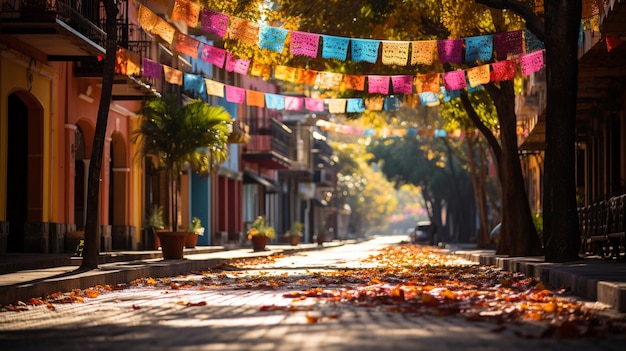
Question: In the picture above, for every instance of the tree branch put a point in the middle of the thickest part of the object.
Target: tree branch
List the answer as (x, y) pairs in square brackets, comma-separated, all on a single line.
[(491, 139), (533, 22)]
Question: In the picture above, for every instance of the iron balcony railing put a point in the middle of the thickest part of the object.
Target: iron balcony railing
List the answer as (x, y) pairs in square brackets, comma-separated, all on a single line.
[(268, 136)]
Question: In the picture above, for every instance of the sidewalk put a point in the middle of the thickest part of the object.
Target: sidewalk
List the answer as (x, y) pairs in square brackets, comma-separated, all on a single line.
[(28, 275)]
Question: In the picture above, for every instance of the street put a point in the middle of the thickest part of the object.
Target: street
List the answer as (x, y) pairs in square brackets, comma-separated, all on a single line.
[(304, 301)]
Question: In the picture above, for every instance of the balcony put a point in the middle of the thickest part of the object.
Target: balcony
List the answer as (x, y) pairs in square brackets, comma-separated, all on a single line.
[(61, 30), (269, 144)]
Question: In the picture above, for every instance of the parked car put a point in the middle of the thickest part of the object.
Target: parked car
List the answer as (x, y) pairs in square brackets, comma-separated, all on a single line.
[(422, 233)]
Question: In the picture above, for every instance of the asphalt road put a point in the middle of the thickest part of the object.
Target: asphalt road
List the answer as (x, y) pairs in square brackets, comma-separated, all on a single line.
[(236, 312)]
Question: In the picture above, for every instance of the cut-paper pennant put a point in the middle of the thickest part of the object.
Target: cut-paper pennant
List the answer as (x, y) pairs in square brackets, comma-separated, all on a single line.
[(127, 62), (255, 98), (479, 48), (214, 22), (355, 105), (304, 44), (334, 47), (163, 29), (272, 38), (146, 18), (374, 103), (329, 80), (195, 83), (478, 75), (293, 103), (503, 70), (531, 41), (152, 69), (186, 11), (378, 84), (285, 73), (173, 75), (427, 83), (307, 76), (395, 53), (507, 44), (449, 95), (402, 84), (392, 103), (213, 55), (365, 50), (454, 80), (337, 105), (429, 98), (423, 52), (243, 30), (235, 95), (260, 69), (237, 65), (354, 82), (314, 105), (450, 50), (214, 88), (274, 101), (187, 45), (531, 63)]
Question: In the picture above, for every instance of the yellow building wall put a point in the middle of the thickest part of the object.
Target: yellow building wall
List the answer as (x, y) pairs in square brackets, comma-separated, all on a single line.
[(19, 73)]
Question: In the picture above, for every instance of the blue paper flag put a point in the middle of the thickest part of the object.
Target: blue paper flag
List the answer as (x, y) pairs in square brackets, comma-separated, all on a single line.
[(479, 48), (428, 98), (274, 101), (195, 83), (392, 103), (355, 105), (365, 50), (272, 38), (449, 95), (334, 47), (532, 42), (440, 133)]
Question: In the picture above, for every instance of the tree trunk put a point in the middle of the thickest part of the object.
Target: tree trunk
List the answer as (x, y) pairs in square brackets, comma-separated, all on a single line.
[(518, 235), (92, 242), (560, 219), (478, 181)]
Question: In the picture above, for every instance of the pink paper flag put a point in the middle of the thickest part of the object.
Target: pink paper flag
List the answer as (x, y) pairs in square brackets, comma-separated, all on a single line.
[(213, 55), (402, 84), (293, 103), (305, 44), (454, 80), (531, 63), (235, 94), (378, 84), (237, 65), (314, 105), (215, 22)]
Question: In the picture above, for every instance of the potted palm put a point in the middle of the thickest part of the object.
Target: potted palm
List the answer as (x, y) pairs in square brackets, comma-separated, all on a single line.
[(151, 225), (195, 229), (179, 136), (260, 233), (295, 233)]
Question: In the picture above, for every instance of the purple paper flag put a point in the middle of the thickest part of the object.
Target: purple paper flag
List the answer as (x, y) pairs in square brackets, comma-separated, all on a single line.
[(454, 80), (305, 44), (152, 69), (215, 22), (402, 84), (378, 84), (213, 55), (509, 43), (450, 50)]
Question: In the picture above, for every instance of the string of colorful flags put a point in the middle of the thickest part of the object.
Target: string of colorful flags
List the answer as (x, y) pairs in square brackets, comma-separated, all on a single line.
[(387, 132), (426, 85)]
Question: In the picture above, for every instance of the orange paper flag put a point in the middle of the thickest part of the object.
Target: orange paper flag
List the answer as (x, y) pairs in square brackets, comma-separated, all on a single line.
[(255, 98), (173, 75), (186, 11)]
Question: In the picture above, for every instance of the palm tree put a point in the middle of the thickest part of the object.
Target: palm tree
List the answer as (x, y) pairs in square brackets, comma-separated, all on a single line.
[(194, 134)]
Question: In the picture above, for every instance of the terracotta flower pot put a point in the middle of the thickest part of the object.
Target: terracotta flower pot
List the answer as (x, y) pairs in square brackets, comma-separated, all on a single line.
[(259, 242), (191, 241), (172, 244), (294, 240)]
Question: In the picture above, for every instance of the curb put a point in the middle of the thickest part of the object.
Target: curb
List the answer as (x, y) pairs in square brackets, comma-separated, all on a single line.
[(590, 279)]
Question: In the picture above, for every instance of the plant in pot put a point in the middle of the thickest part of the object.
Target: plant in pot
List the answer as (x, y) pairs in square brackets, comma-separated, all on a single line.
[(177, 136), (295, 233), (151, 224), (260, 233), (321, 236), (195, 229)]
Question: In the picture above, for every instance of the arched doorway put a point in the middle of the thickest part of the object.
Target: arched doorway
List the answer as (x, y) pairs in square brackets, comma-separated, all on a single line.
[(123, 235), (24, 166), (80, 180)]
